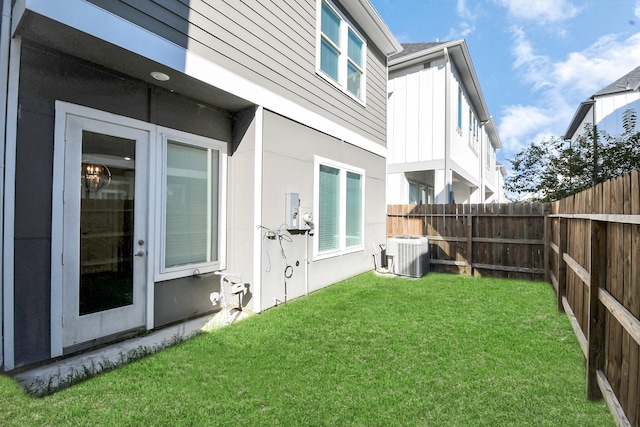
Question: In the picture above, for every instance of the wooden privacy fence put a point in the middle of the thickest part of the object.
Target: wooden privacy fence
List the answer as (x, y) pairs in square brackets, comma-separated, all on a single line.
[(587, 246), (595, 268), (499, 240)]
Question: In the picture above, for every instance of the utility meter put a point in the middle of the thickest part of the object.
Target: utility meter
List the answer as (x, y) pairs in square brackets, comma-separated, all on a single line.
[(297, 218)]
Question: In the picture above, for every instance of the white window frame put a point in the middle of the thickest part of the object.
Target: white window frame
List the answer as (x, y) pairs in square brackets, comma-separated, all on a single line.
[(343, 54), (161, 272), (342, 243), (473, 132), (421, 189), (459, 124)]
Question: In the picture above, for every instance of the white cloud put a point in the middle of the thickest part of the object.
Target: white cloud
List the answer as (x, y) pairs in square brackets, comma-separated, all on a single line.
[(520, 124), (463, 9), (561, 85), (636, 9), (533, 66), (468, 23), (606, 60), (461, 32), (541, 11)]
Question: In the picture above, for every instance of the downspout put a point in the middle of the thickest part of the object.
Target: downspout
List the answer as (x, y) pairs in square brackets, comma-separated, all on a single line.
[(5, 41), (447, 126), (482, 156), (484, 150)]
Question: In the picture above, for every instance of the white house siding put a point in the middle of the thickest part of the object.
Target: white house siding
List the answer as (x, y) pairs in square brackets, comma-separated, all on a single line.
[(271, 43), (610, 108), (416, 117), (241, 203), (288, 167), (419, 130), (489, 170), (608, 111), (464, 156)]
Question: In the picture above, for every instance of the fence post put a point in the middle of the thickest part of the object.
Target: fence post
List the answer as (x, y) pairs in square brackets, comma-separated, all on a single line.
[(469, 245), (547, 239), (562, 265), (596, 327)]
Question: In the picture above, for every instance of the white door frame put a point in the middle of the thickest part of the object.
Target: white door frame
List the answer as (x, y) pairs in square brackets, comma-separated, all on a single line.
[(63, 111), (82, 328)]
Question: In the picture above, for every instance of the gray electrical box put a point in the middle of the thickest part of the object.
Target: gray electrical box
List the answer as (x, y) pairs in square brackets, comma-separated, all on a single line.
[(292, 211), (296, 217)]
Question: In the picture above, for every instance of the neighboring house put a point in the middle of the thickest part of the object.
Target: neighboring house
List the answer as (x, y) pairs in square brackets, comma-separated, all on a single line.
[(606, 107), (441, 139), (152, 143)]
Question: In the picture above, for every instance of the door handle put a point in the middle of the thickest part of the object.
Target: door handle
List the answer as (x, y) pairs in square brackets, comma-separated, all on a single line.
[(140, 253)]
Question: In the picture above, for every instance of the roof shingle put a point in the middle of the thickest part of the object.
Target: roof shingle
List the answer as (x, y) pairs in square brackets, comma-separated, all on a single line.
[(629, 81), (411, 48)]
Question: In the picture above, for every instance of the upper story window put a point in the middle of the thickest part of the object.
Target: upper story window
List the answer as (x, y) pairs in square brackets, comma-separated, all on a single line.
[(341, 51), (459, 108), (473, 131), (490, 156)]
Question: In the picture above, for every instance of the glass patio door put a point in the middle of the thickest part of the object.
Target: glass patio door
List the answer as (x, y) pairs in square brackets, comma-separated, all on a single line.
[(105, 223)]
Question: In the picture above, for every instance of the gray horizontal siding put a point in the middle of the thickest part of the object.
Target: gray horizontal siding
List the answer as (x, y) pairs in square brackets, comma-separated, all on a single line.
[(271, 43)]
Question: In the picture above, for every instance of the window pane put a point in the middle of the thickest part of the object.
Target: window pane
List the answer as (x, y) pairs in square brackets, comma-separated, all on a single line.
[(354, 209), (330, 24), (413, 193), (329, 60), (459, 108), (329, 215), (106, 223), (191, 205), (355, 49), (353, 80)]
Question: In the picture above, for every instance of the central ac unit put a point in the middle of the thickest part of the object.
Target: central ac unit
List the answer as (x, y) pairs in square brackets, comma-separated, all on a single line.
[(409, 255)]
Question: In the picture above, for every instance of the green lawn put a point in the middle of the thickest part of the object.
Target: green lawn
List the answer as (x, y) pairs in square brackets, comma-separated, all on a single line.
[(371, 351)]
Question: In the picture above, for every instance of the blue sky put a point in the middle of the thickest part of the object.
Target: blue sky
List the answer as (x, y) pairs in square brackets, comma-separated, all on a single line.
[(536, 60)]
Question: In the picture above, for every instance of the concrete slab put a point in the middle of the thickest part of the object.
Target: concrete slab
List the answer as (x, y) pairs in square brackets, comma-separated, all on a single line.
[(48, 378)]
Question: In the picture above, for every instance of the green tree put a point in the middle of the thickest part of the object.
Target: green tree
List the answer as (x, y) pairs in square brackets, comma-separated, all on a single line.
[(553, 169)]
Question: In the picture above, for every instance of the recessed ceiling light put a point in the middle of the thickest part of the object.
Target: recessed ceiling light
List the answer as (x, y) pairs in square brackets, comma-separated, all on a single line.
[(160, 76)]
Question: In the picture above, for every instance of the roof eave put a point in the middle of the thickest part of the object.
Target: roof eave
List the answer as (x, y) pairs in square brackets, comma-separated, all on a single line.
[(578, 117), (467, 70), (373, 24), (422, 55), (492, 132)]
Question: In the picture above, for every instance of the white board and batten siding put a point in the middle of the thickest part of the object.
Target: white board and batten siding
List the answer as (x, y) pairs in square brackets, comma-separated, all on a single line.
[(610, 103), (416, 115), (270, 43)]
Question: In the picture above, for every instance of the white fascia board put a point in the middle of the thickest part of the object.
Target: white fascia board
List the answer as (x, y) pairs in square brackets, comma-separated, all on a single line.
[(469, 70), (113, 29), (492, 133), (372, 23), (422, 55), (578, 117)]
